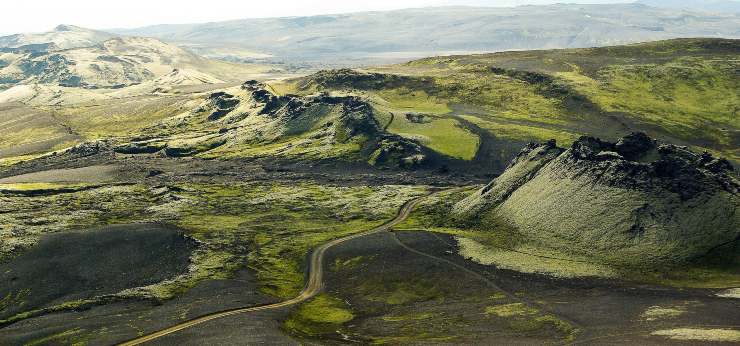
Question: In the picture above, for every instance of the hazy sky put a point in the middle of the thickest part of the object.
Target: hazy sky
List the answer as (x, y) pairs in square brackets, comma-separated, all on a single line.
[(42, 15)]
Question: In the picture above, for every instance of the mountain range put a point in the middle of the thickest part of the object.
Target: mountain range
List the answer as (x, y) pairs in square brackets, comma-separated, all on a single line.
[(368, 37), (716, 6)]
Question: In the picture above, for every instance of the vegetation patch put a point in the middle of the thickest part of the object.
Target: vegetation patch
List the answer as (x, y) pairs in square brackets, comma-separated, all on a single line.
[(657, 313), (323, 314), (700, 334), (68, 337), (511, 310), (523, 318), (400, 292), (443, 135), (283, 223), (528, 259), (731, 293)]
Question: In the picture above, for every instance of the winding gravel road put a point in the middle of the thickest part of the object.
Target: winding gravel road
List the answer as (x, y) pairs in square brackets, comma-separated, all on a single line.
[(313, 286)]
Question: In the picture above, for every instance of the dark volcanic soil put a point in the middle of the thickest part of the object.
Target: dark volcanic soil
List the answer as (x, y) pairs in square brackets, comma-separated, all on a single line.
[(77, 265), (115, 323), (447, 295)]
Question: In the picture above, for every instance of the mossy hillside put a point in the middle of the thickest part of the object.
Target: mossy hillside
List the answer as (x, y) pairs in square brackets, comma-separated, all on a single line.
[(126, 117), (512, 131), (682, 90), (309, 137), (690, 97), (491, 238), (672, 242), (252, 122), (417, 116)]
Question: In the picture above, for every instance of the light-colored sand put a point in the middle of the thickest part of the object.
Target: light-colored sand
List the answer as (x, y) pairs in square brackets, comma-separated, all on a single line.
[(91, 174)]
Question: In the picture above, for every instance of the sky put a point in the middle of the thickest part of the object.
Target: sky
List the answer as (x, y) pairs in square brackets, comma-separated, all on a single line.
[(43, 15)]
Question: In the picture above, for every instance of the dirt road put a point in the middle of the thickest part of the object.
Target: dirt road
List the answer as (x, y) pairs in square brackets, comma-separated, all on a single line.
[(312, 288)]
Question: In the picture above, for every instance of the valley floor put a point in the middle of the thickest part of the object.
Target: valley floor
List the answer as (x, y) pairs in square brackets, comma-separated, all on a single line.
[(248, 226)]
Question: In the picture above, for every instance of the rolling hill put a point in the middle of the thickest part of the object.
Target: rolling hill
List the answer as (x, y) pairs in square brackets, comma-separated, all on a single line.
[(114, 63), (683, 91), (52, 98), (62, 37)]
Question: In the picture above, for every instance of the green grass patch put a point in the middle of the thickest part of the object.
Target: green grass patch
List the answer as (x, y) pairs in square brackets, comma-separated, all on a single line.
[(443, 135), (510, 310), (322, 315), (68, 337), (413, 101), (524, 133), (400, 292)]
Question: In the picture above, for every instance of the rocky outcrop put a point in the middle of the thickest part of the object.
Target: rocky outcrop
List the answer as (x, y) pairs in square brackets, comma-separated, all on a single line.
[(219, 104), (352, 79), (633, 202), (314, 127)]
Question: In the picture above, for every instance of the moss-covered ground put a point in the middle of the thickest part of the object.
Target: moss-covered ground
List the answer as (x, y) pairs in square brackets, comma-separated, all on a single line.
[(490, 241), (267, 227), (395, 296), (683, 90)]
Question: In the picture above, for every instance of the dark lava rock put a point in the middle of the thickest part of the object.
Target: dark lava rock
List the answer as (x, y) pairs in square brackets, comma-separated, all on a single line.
[(635, 145), (641, 162), (220, 104)]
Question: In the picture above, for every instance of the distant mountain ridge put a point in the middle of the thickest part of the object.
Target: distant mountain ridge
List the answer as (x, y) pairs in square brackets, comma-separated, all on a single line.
[(62, 37), (75, 57), (422, 32), (719, 6), (117, 62)]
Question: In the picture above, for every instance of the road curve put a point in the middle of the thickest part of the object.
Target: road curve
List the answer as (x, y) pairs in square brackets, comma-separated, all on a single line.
[(312, 288)]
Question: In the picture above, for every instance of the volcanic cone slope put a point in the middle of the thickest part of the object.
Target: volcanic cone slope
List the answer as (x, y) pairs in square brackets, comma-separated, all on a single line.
[(635, 202)]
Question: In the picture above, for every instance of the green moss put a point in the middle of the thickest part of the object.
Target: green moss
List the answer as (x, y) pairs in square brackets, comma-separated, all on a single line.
[(347, 264), (411, 339), (400, 292), (321, 315), (40, 186), (677, 89), (523, 319), (413, 100), (692, 276), (283, 223), (69, 337), (524, 133), (409, 317), (510, 310), (122, 117), (443, 135)]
